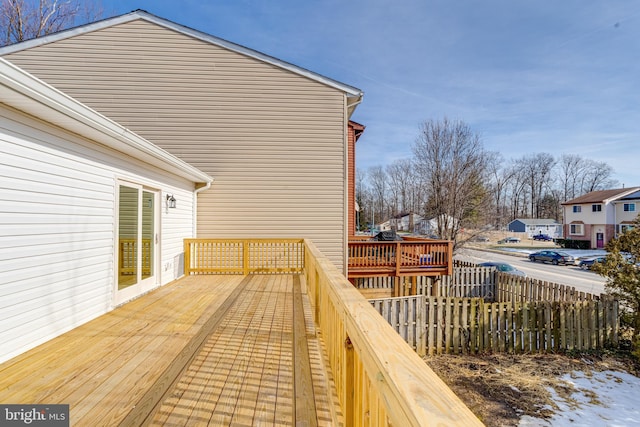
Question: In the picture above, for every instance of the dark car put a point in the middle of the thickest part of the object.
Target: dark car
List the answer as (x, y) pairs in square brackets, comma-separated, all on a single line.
[(504, 267), (509, 240), (587, 263), (553, 257), (543, 237)]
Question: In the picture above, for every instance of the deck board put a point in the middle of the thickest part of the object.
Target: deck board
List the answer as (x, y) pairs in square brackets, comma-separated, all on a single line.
[(241, 373)]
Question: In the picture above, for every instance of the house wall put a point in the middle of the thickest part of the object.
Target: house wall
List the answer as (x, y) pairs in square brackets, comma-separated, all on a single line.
[(516, 226), (57, 228), (275, 141), (621, 215)]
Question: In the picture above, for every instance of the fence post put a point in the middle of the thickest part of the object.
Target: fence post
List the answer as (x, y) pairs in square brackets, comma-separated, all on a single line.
[(421, 325)]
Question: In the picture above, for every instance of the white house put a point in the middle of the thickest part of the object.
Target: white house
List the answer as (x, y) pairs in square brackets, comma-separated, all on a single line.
[(403, 222), (430, 227), (86, 217)]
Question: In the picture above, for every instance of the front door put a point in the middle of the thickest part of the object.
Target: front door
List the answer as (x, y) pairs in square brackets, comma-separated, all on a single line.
[(600, 240), (137, 241)]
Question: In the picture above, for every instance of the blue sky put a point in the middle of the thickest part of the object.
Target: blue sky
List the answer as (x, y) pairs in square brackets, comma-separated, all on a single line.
[(527, 76)]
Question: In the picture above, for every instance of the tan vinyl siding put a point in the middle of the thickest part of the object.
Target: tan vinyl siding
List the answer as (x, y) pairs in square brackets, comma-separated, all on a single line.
[(273, 140)]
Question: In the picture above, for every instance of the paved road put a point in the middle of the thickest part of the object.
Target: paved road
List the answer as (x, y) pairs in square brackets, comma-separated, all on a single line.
[(585, 281)]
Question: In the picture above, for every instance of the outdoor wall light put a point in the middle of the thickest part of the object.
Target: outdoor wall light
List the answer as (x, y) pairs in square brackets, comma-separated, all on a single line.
[(171, 201)]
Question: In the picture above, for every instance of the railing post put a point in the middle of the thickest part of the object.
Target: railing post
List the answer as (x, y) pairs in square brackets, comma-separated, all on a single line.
[(187, 257), (245, 257), (349, 384), (398, 258)]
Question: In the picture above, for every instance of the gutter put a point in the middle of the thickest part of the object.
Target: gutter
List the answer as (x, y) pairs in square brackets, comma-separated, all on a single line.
[(198, 190)]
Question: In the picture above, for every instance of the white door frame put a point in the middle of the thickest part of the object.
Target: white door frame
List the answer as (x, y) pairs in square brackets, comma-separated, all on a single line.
[(141, 284)]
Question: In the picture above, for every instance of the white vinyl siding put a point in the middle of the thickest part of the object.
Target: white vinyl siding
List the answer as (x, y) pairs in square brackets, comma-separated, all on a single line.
[(274, 140), (57, 228)]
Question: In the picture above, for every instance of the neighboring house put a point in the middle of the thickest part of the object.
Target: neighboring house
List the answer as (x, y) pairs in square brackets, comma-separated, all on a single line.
[(533, 227), (429, 227), (627, 210), (402, 222), (406, 222), (277, 137), (85, 219), (595, 216)]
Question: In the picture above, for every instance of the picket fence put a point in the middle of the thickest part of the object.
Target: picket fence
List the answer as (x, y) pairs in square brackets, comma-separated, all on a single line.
[(447, 325), (473, 282)]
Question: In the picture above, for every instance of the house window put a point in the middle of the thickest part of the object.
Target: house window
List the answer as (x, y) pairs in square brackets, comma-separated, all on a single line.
[(596, 208), (629, 207), (577, 209), (576, 229), (624, 228)]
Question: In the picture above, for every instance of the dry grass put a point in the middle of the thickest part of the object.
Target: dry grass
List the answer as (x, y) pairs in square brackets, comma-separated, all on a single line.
[(500, 388)]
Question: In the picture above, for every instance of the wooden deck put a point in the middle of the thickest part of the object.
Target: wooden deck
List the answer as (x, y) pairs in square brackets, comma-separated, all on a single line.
[(217, 350)]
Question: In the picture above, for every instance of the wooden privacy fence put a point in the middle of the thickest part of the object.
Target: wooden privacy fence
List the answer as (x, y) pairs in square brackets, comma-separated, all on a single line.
[(473, 282), (243, 256), (440, 325), (463, 281)]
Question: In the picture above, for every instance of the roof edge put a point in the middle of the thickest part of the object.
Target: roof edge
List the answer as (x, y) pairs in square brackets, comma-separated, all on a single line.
[(623, 192)]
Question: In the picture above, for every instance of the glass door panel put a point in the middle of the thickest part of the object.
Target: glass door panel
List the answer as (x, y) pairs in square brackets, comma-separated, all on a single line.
[(128, 237), (138, 218), (148, 234)]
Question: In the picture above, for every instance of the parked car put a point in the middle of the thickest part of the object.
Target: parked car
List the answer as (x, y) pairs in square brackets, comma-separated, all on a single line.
[(482, 239), (587, 263), (504, 267), (543, 237), (553, 257), (509, 240)]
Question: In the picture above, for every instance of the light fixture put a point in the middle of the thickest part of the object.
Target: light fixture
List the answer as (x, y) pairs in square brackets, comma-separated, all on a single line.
[(171, 201)]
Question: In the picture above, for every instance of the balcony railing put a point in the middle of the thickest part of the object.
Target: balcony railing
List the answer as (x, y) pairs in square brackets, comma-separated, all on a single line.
[(400, 258)]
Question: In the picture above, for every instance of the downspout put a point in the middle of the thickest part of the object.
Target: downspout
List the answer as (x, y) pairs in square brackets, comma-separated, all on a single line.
[(345, 228), (204, 187)]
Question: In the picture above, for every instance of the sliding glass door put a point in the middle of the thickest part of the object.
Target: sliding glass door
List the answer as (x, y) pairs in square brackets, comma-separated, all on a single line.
[(137, 241)]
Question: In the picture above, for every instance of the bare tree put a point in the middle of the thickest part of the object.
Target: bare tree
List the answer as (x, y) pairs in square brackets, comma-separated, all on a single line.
[(597, 176), (379, 188), (579, 176), (27, 19), (501, 177), (452, 161), (536, 170)]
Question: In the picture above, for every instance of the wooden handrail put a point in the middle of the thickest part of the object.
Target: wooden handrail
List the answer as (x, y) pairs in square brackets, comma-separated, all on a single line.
[(379, 379)]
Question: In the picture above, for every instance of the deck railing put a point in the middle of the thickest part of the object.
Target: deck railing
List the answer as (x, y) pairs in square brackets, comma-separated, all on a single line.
[(379, 379), (400, 258), (243, 256)]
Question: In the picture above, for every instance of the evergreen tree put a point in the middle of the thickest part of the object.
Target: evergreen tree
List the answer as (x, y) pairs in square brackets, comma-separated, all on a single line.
[(622, 270)]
